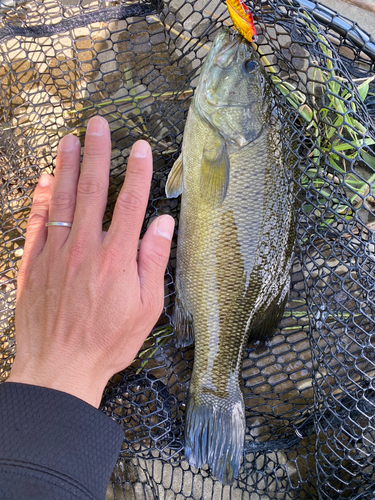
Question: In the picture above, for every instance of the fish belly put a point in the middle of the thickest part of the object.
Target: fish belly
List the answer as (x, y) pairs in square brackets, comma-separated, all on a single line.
[(233, 264)]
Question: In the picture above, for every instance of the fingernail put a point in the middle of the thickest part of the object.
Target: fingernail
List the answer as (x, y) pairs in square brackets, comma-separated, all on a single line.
[(96, 126), (165, 226), (43, 180), (140, 149), (68, 143)]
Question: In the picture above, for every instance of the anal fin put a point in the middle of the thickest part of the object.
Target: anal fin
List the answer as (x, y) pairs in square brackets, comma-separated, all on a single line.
[(265, 328)]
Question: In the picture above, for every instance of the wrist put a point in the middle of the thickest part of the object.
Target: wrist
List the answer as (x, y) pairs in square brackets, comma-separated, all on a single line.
[(74, 382)]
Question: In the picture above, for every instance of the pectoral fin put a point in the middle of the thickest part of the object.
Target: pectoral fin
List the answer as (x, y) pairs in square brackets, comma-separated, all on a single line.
[(174, 186), (215, 174)]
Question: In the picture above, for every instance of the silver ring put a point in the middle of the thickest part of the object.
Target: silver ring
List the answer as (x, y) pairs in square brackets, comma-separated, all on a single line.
[(64, 224)]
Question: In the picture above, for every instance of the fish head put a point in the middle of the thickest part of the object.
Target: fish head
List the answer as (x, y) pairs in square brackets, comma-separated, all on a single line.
[(233, 93)]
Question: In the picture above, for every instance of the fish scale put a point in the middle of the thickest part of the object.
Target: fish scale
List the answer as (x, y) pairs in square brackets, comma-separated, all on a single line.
[(234, 249)]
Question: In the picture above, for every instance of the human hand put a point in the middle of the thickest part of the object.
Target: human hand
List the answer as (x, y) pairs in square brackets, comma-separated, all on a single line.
[(85, 303)]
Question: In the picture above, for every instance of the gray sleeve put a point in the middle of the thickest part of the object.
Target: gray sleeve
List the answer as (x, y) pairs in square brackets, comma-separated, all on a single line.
[(54, 445)]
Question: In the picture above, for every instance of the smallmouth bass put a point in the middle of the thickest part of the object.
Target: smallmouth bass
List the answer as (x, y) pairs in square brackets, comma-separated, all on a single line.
[(235, 244)]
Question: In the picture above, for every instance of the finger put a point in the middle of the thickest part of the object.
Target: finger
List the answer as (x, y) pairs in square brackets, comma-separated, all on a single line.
[(63, 198), (131, 203), (152, 261), (36, 231), (92, 189)]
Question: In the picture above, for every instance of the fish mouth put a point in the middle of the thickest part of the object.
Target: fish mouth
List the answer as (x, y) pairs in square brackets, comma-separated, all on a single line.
[(229, 53)]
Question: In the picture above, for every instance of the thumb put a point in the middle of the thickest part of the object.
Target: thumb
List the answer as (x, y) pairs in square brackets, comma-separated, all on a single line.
[(152, 260)]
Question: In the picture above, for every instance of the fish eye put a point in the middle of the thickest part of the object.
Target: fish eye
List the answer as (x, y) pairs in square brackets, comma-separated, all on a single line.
[(250, 66), (254, 38)]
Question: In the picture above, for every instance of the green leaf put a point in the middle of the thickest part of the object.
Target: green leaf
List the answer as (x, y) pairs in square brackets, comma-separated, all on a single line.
[(307, 208), (356, 125), (369, 159), (334, 164), (345, 146), (364, 87)]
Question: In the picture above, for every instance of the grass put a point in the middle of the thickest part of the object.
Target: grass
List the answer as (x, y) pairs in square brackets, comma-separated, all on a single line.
[(331, 125)]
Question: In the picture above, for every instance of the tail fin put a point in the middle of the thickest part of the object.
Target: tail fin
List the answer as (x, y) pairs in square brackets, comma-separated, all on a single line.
[(214, 435)]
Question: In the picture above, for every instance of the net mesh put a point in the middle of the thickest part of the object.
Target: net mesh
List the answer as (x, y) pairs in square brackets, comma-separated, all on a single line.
[(309, 392)]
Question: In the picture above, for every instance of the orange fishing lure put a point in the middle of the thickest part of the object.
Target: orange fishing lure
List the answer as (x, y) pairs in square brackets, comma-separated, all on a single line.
[(242, 19)]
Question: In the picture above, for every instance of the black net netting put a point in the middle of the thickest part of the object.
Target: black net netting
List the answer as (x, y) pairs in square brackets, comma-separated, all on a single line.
[(309, 392)]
